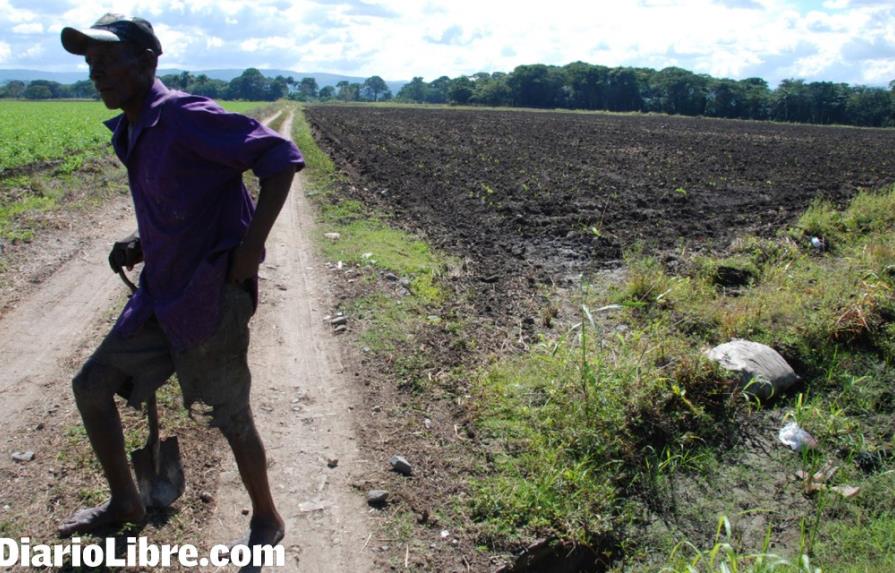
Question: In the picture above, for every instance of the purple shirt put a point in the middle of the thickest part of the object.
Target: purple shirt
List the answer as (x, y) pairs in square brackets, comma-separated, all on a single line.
[(185, 157)]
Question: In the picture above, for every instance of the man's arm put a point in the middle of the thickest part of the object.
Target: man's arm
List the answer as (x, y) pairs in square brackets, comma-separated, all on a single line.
[(247, 256)]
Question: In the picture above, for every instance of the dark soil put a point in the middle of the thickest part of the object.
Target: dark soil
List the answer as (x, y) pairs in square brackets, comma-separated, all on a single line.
[(515, 195), (542, 196)]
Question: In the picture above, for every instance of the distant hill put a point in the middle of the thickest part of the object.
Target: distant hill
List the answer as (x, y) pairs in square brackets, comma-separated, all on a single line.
[(323, 79)]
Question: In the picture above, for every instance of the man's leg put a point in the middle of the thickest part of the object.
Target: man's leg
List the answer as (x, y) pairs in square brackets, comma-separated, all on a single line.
[(94, 388), (267, 527)]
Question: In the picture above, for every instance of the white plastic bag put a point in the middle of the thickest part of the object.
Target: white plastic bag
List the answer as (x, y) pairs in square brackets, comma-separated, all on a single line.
[(796, 438)]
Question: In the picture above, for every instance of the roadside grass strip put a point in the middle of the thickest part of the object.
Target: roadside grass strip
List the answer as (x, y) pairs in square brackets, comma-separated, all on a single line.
[(590, 426), (352, 235)]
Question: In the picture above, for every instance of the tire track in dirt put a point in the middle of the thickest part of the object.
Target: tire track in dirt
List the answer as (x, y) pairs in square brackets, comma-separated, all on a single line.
[(303, 402), (49, 326)]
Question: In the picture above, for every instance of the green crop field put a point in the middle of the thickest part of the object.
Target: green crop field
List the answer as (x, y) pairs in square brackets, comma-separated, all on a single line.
[(43, 147), (246, 107), (37, 132)]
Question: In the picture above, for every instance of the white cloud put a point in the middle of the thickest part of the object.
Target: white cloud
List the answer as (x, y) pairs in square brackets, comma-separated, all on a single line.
[(398, 39), (212, 42), (879, 71), (267, 44), (5, 52), (31, 53), (30, 28)]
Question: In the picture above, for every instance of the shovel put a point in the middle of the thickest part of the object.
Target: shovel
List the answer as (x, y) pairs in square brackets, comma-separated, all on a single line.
[(157, 465)]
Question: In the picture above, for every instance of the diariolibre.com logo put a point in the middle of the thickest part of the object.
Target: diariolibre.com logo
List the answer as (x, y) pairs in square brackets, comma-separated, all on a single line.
[(137, 552)]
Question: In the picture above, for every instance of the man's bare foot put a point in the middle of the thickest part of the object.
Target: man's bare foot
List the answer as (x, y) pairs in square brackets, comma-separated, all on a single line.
[(264, 532), (105, 515)]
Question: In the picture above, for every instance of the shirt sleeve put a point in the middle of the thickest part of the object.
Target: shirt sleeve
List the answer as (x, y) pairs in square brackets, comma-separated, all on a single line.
[(234, 140)]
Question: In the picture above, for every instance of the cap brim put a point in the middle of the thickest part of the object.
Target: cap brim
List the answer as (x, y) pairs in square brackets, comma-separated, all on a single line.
[(76, 41)]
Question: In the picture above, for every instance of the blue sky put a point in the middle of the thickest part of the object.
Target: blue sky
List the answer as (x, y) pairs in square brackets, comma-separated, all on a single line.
[(839, 40)]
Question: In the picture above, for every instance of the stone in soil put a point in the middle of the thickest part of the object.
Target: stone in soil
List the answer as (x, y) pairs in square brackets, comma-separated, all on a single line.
[(377, 497), (23, 456), (401, 465)]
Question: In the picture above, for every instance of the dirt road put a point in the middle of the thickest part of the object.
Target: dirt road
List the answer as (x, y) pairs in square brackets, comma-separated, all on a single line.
[(302, 402), (51, 320), (301, 394)]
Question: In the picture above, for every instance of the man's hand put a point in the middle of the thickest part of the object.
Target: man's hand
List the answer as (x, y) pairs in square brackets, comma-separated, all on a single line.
[(244, 263), (126, 253)]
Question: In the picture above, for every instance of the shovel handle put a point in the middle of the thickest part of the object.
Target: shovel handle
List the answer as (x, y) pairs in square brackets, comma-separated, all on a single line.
[(152, 416), (127, 281)]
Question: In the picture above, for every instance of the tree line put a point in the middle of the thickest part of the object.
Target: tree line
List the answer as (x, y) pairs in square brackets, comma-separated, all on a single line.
[(250, 85), (578, 85), (672, 90)]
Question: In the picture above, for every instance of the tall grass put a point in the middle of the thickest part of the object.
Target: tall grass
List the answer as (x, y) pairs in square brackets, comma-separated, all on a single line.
[(583, 428)]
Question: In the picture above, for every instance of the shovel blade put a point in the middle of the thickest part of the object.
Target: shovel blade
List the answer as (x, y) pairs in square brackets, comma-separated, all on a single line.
[(160, 481)]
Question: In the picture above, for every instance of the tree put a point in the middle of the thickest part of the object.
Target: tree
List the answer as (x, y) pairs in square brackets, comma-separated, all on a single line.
[(868, 106), (56, 89), (623, 91), (536, 86), (415, 90), (725, 98), (37, 91), (491, 89), (185, 80), (205, 86), (348, 91), (14, 88), (326, 93), (250, 85), (790, 102), (277, 88), (460, 90), (307, 87), (343, 89), (437, 90), (588, 85), (373, 87), (756, 98), (681, 91), (83, 89), (827, 101)]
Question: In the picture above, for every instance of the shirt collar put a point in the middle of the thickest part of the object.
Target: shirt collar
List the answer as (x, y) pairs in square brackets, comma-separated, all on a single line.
[(149, 116)]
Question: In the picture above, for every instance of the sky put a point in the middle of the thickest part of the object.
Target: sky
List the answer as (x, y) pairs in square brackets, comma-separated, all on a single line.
[(849, 41)]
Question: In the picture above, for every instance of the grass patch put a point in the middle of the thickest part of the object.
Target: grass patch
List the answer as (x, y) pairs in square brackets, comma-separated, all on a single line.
[(27, 202), (351, 233), (319, 168), (589, 429), (370, 242), (10, 214)]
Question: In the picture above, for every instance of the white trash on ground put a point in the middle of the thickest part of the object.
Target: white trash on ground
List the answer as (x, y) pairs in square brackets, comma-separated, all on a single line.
[(796, 438)]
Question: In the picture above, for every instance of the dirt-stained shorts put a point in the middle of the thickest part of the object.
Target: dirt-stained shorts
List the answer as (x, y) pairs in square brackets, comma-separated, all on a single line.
[(215, 372)]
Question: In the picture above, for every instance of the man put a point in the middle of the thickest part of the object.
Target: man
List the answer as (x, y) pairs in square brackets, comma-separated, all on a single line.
[(202, 242)]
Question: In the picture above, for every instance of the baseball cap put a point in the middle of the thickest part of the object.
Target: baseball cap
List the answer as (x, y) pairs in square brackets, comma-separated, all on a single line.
[(112, 28)]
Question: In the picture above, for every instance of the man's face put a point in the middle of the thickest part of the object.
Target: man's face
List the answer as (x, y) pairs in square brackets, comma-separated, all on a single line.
[(116, 73)]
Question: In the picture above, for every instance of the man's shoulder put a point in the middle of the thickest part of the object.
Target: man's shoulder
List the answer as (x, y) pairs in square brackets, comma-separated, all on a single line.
[(189, 103)]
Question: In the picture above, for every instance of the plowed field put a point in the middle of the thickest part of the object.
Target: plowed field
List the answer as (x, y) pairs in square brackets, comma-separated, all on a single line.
[(541, 195)]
